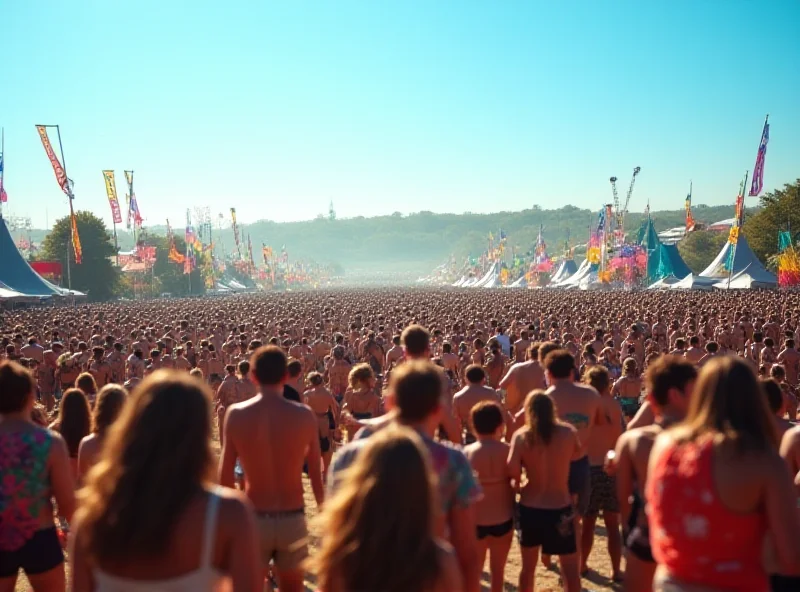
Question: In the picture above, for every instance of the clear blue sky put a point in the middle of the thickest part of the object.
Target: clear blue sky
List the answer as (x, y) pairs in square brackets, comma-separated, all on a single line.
[(275, 108)]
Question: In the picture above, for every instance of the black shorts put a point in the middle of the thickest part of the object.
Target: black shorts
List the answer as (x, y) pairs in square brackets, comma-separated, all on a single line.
[(580, 483), (603, 496), (638, 544), (40, 554), (552, 530), (784, 583), (495, 530)]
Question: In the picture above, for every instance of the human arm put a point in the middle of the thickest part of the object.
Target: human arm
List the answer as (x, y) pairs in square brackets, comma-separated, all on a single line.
[(790, 447), (644, 417), (61, 480), (227, 460), (314, 459), (80, 573), (514, 463), (623, 470), (461, 523), (507, 379), (783, 525), (242, 561)]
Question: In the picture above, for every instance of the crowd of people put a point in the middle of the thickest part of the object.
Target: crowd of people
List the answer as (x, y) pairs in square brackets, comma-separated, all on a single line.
[(176, 444)]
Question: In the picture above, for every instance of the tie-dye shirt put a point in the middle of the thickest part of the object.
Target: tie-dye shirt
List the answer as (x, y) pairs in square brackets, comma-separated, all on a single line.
[(24, 485), (458, 487)]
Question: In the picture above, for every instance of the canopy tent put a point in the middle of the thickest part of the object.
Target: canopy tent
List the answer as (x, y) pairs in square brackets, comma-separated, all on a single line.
[(693, 282), (460, 281), (566, 268), (489, 276), (520, 283), (743, 281), (583, 272), (662, 260), (743, 259), (18, 276), (664, 283)]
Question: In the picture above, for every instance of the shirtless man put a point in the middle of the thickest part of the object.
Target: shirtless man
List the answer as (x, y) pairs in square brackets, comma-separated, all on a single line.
[(545, 511), (669, 382), (521, 346), (273, 438), (475, 392), (100, 369), (416, 342), (695, 353), (181, 363), (395, 355), (789, 358), (226, 396), (603, 497), (449, 359), (326, 409), (522, 378), (338, 373), (135, 365), (116, 360), (33, 350), (47, 375), (579, 406)]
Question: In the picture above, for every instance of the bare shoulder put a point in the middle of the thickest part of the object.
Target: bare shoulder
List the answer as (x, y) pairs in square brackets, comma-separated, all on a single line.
[(791, 437), (566, 429)]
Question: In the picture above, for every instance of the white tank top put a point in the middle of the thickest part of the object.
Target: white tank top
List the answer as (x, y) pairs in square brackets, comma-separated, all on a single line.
[(205, 578)]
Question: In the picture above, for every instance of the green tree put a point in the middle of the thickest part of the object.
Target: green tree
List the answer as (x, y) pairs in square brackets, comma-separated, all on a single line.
[(699, 248), (95, 275), (780, 210), (168, 274)]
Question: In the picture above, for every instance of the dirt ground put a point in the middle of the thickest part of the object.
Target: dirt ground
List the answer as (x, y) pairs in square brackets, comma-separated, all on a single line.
[(598, 579)]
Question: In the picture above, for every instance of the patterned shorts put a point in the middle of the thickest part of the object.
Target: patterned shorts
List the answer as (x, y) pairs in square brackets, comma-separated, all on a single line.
[(604, 493)]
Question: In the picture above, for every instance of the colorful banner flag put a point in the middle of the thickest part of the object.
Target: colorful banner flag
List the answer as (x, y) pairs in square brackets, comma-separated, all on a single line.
[(235, 227), (690, 223), (758, 170), (133, 206), (3, 194), (76, 239), (111, 191), (61, 176)]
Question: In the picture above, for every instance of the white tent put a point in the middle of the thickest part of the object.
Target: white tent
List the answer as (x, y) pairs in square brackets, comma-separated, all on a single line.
[(579, 276), (566, 268), (520, 283), (693, 282), (743, 259), (664, 283), (460, 281), (488, 277), (742, 281)]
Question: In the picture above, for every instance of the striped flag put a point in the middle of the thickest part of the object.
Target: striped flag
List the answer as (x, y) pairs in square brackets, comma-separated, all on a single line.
[(758, 170)]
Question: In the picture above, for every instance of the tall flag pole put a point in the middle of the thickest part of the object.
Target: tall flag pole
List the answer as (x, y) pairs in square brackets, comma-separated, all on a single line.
[(133, 206), (59, 168), (116, 215), (236, 232), (733, 235), (758, 169), (690, 223), (3, 194)]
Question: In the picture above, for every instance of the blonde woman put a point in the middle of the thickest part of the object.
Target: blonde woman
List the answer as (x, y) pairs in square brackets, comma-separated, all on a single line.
[(110, 400), (379, 526), (360, 401)]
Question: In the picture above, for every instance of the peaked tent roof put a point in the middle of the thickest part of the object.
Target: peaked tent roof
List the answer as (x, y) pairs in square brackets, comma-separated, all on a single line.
[(662, 260), (743, 281), (743, 259), (17, 274), (566, 268)]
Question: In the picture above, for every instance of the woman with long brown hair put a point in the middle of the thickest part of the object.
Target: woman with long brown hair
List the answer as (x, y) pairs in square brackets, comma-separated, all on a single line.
[(149, 517), (379, 526), (109, 404), (544, 449), (74, 423), (716, 484)]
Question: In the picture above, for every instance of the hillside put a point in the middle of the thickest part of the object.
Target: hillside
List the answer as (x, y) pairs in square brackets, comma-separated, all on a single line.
[(417, 241)]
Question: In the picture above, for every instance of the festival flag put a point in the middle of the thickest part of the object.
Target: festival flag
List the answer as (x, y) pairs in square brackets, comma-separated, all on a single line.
[(690, 223), (111, 191), (134, 215), (76, 239), (61, 175), (758, 170), (236, 232), (3, 194)]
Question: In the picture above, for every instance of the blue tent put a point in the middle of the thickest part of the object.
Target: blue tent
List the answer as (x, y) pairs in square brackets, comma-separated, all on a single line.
[(17, 274)]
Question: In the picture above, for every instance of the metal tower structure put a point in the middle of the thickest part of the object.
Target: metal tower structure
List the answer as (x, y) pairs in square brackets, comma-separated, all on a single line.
[(621, 215)]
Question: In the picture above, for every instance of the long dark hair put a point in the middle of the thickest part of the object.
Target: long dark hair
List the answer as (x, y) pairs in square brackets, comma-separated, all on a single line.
[(156, 457), (540, 418), (74, 421)]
